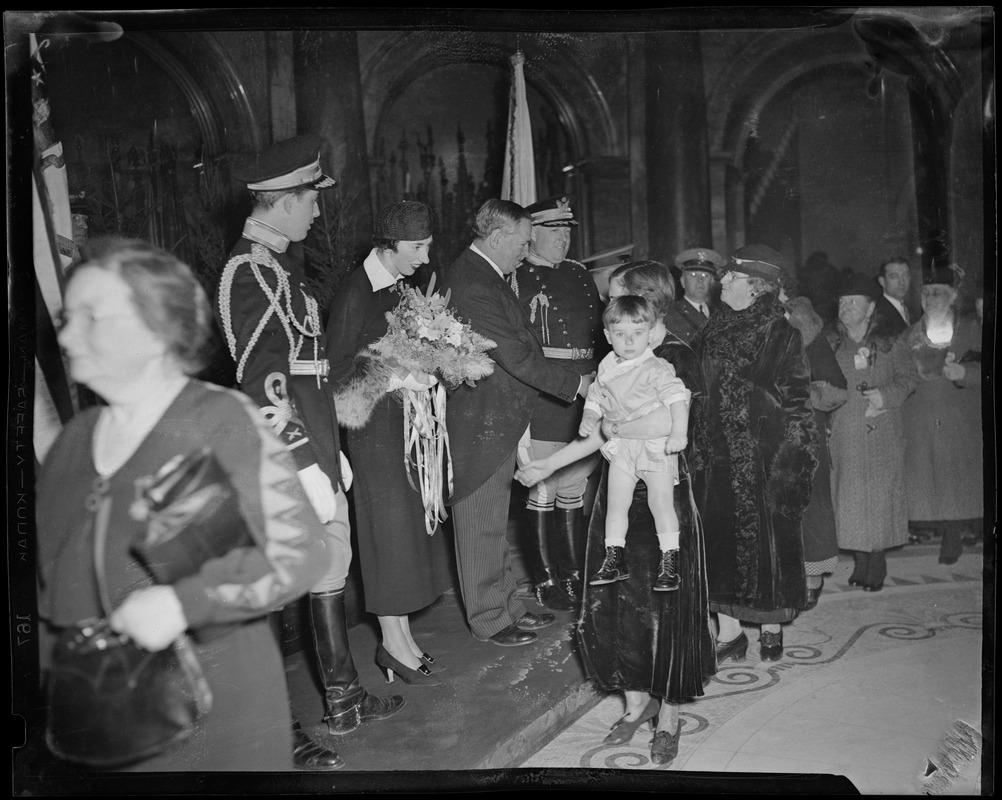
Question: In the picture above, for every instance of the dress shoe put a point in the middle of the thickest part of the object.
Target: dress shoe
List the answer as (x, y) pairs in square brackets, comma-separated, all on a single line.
[(535, 622), (771, 646), (873, 587), (553, 596), (623, 730), (428, 658), (813, 594), (855, 582), (949, 559), (613, 568), (511, 637), (668, 579), (735, 649), (664, 748), (308, 754), (422, 676)]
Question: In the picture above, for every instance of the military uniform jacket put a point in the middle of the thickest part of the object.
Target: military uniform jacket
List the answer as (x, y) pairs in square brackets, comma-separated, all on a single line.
[(486, 421), (565, 313), (299, 407), (684, 320)]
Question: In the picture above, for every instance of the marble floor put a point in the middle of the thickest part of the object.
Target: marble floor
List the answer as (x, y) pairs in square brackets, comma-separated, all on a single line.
[(883, 688)]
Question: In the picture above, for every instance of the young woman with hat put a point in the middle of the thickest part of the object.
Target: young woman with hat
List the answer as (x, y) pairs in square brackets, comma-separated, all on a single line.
[(867, 435), (403, 568)]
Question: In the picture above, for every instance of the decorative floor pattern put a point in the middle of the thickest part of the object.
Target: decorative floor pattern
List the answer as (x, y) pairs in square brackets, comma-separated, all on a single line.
[(884, 688)]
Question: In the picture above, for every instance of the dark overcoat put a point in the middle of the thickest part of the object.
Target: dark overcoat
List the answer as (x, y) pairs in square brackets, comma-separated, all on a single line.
[(486, 421)]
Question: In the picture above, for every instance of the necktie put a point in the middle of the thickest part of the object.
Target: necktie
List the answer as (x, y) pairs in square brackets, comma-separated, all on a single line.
[(904, 313), (704, 310)]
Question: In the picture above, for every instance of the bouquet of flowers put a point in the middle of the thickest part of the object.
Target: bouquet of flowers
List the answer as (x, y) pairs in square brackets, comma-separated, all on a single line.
[(424, 336)]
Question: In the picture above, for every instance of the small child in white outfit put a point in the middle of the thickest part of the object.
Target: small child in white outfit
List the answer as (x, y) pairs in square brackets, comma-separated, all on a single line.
[(631, 383)]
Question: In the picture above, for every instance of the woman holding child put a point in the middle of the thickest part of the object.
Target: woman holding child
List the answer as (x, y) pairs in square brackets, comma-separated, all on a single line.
[(654, 645)]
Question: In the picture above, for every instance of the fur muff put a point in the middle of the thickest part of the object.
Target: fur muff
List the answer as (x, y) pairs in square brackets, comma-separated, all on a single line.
[(791, 479), (357, 395), (804, 318), (825, 397)]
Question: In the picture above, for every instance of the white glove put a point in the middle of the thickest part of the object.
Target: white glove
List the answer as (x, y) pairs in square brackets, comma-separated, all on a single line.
[(152, 617), (318, 489)]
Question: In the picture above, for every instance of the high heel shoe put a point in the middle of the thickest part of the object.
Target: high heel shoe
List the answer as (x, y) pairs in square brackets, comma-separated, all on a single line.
[(664, 748), (813, 594), (422, 676), (771, 645), (624, 729), (735, 649), (428, 658)]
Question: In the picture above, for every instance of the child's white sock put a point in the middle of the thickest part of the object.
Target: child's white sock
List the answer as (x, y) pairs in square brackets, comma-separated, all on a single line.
[(621, 542), (667, 541)]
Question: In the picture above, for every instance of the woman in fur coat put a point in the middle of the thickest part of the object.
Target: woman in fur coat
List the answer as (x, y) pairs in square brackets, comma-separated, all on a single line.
[(755, 451), (403, 568)]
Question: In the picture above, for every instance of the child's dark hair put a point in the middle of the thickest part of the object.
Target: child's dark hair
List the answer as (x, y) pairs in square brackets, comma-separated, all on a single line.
[(629, 308)]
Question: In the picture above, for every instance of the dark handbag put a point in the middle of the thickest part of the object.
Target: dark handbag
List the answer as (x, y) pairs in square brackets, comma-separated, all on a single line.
[(112, 703), (191, 514)]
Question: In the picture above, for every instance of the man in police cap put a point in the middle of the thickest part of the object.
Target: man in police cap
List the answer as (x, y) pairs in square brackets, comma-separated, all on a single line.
[(565, 311), (272, 327), (688, 314)]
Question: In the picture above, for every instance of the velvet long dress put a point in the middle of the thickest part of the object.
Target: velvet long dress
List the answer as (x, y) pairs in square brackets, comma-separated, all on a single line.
[(228, 601), (633, 638), (404, 569)]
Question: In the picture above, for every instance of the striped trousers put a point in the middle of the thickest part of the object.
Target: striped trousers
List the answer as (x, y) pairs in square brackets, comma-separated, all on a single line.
[(480, 524)]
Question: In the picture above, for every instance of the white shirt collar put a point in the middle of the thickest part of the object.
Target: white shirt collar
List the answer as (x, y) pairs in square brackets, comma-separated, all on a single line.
[(263, 233), (694, 304), (616, 365), (378, 275), (494, 266), (896, 303)]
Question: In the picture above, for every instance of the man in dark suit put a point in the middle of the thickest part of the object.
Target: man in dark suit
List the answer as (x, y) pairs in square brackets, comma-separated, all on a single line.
[(272, 327), (895, 279), (689, 313), (487, 423)]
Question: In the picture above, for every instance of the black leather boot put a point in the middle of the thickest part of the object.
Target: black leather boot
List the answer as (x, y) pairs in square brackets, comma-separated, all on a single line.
[(348, 704), (570, 532), (549, 592), (310, 754)]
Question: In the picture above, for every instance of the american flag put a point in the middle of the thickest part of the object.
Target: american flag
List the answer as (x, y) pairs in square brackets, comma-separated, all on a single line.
[(518, 180)]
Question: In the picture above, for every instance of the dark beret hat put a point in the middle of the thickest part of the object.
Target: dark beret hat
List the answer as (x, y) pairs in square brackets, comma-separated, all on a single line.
[(854, 283), (406, 221), (286, 165), (761, 261)]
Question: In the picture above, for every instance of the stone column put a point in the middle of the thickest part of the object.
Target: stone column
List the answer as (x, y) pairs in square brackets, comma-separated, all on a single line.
[(678, 175), (329, 102)]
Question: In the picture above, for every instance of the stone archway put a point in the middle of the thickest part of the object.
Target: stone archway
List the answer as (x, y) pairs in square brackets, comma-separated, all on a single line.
[(569, 110)]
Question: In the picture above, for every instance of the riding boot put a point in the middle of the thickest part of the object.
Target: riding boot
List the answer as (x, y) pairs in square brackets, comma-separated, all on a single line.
[(570, 532), (347, 702), (548, 590)]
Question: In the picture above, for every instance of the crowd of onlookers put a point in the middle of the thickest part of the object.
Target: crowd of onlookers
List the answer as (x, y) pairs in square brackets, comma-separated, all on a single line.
[(737, 440)]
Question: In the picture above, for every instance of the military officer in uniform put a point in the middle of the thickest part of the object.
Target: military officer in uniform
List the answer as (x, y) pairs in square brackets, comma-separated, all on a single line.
[(562, 302), (687, 315), (272, 327)]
